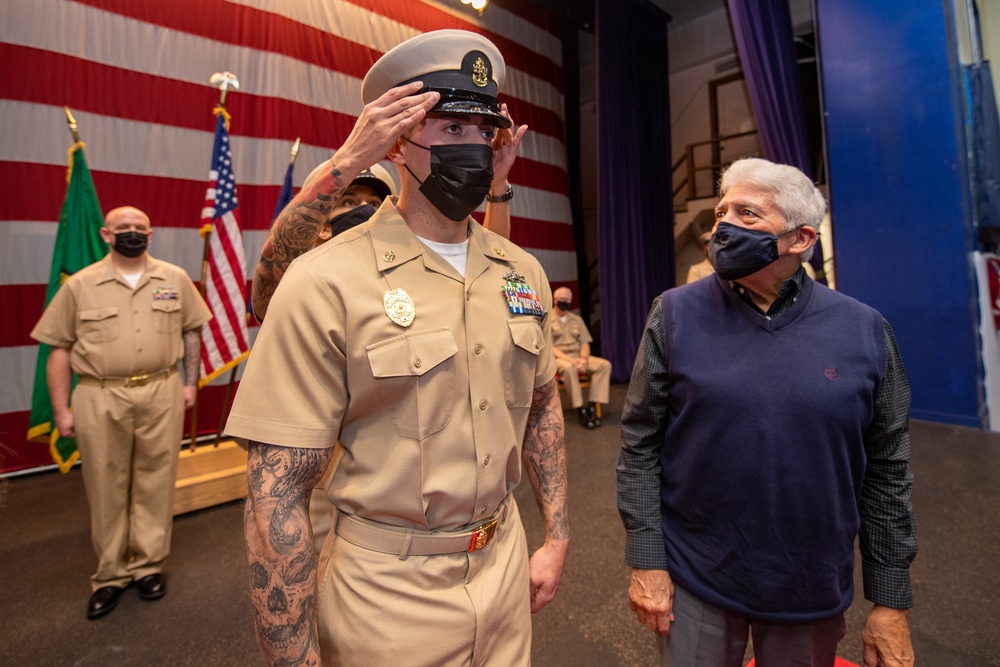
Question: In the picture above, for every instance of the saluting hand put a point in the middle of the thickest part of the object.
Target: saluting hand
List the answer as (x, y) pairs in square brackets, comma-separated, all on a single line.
[(381, 123)]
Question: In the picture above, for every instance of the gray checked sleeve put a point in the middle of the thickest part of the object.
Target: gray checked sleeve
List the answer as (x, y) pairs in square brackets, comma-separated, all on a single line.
[(644, 421), (888, 538)]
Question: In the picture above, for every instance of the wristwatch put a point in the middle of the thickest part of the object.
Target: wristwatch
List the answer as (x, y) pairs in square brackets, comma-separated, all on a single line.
[(505, 197)]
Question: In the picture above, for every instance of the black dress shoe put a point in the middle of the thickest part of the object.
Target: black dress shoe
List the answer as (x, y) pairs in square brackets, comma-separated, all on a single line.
[(151, 587), (585, 419), (103, 600), (592, 411)]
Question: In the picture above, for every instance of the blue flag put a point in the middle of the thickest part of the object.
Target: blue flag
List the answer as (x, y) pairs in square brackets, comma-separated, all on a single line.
[(286, 193)]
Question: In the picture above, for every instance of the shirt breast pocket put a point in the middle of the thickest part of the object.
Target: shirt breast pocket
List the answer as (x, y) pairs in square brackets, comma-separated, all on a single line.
[(167, 316), (99, 325), (527, 342), (415, 375)]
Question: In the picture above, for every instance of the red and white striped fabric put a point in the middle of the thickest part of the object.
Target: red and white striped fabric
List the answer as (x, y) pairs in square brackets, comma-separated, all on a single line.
[(136, 75)]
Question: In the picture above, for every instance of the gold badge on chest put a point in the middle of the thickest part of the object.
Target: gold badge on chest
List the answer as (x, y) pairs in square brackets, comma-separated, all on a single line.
[(399, 307)]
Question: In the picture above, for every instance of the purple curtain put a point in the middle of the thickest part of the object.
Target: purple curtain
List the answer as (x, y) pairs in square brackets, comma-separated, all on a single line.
[(636, 220), (765, 41)]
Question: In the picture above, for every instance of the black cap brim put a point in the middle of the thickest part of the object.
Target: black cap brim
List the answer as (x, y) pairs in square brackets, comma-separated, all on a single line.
[(372, 181), (464, 102)]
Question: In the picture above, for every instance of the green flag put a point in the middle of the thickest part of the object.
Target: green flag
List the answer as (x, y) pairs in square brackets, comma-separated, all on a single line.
[(78, 244)]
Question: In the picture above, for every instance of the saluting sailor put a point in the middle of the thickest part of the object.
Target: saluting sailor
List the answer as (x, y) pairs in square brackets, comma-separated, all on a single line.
[(419, 341)]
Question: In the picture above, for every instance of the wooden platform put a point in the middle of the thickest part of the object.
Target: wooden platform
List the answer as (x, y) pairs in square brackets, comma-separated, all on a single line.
[(210, 476)]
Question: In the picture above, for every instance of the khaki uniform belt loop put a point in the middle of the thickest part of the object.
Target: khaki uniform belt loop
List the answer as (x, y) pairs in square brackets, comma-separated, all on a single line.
[(405, 542), (137, 380), (404, 551)]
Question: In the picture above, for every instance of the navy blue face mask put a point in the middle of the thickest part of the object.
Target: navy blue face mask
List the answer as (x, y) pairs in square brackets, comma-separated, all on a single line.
[(735, 252)]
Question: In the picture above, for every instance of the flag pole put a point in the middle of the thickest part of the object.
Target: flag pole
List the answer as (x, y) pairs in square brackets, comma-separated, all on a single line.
[(225, 81), (73, 129)]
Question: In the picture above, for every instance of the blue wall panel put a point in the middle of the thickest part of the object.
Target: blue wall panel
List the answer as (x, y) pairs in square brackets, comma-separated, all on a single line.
[(898, 190)]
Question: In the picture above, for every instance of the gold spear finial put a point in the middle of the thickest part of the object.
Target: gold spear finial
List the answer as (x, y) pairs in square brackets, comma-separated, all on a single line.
[(225, 81), (295, 149), (74, 130)]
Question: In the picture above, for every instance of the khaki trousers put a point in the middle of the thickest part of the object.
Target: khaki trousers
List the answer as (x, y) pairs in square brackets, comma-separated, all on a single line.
[(129, 440), (600, 380), (461, 609)]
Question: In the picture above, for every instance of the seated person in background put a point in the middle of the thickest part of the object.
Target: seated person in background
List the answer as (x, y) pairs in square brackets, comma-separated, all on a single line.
[(704, 267), (571, 345)]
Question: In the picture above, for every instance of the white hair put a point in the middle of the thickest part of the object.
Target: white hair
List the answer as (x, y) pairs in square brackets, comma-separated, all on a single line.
[(794, 195)]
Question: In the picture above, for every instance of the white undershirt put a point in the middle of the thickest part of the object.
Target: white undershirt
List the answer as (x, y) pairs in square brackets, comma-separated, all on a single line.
[(132, 278), (456, 254)]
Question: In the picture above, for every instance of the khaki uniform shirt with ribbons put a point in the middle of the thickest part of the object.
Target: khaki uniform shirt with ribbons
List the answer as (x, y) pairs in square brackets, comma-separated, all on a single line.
[(113, 331), (431, 416), (569, 336)]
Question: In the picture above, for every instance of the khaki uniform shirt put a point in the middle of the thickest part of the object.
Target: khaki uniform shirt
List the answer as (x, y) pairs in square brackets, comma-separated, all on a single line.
[(115, 331), (431, 416), (569, 336)]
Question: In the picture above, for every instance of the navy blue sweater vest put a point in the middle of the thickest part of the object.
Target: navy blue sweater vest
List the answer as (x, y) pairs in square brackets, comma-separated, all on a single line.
[(763, 457)]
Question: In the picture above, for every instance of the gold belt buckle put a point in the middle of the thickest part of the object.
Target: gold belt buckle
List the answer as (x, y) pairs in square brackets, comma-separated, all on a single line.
[(138, 380), (483, 535)]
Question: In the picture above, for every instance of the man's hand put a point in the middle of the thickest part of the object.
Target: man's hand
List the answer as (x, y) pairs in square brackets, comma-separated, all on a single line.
[(651, 596), (66, 423), (886, 638), (505, 145), (380, 124), (190, 393), (545, 570), (580, 364)]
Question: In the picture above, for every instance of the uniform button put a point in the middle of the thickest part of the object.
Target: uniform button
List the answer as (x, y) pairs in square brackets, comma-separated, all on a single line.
[(416, 361), (486, 460), (482, 404), (538, 344), (136, 312), (468, 296), (479, 348)]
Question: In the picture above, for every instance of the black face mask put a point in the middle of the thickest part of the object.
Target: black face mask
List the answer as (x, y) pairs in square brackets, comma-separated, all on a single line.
[(351, 218), (131, 244), (460, 178), (562, 305)]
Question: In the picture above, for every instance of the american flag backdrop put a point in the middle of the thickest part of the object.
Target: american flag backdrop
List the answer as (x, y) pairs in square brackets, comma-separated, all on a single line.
[(136, 75)]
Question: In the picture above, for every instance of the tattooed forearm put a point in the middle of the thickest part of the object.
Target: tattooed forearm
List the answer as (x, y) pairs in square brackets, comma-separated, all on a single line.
[(294, 232), (544, 458), (280, 552), (192, 351)]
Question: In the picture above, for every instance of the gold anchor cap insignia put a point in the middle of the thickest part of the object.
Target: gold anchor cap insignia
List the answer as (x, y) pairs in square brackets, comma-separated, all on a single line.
[(388, 256), (399, 307), (480, 76)]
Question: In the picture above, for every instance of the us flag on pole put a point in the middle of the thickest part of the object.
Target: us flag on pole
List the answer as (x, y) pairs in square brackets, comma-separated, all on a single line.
[(224, 339)]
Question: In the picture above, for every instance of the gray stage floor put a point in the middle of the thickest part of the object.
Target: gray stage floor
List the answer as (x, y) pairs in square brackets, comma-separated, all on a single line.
[(205, 620)]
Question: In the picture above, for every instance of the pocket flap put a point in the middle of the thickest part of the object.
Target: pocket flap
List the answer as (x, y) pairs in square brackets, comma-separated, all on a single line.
[(167, 305), (413, 353), (98, 314), (527, 335)]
